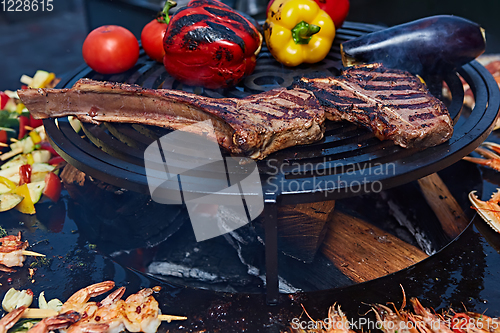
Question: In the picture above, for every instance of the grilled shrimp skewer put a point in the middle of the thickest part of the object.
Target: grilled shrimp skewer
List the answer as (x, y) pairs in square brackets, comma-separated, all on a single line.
[(140, 312), (13, 252)]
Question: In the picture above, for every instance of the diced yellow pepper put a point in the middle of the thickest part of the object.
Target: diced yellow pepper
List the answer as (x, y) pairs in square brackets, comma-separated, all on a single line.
[(35, 137), (30, 159), (49, 79), (7, 182), (26, 206), (19, 108), (42, 79)]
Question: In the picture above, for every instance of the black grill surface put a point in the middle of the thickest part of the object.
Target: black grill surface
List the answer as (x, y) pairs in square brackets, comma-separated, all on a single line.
[(348, 161)]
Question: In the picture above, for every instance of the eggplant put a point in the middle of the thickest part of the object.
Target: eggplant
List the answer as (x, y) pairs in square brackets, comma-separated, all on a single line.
[(431, 45)]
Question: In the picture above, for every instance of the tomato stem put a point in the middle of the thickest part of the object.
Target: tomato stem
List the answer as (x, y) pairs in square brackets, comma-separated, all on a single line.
[(163, 15)]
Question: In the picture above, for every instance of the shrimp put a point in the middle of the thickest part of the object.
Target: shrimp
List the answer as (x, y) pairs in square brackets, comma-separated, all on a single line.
[(337, 321), (79, 301), (11, 252), (141, 312), (11, 318), (393, 322), (107, 317), (470, 322), (59, 321), (431, 322), (485, 323)]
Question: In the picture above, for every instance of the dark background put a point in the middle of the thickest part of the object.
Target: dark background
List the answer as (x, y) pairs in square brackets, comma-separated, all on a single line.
[(52, 40)]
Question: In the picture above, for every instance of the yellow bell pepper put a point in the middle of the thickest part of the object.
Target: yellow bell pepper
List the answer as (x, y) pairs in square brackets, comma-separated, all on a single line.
[(298, 31), (7, 182), (26, 206)]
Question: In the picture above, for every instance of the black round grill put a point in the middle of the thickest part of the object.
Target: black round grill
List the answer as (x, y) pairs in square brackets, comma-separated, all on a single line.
[(347, 162)]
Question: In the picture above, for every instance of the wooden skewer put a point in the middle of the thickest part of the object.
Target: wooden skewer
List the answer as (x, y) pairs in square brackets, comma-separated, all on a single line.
[(33, 254), (169, 318), (33, 313), (11, 153), (13, 140), (3, 144), (29, 128)]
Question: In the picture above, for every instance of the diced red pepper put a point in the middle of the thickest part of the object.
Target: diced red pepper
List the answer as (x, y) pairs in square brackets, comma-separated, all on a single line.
[(52, 186), (3, 136), (56, 160), (24, 87), (35, 122), (46, 145), (24, 174), (4, 98), (23, 122)]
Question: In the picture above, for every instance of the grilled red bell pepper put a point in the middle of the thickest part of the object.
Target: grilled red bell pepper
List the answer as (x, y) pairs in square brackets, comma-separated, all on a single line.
[(209, 44), (24, 174), (336, 9), (4, 98), (3, 136), (23, 122), (35, 122), (52, 186)]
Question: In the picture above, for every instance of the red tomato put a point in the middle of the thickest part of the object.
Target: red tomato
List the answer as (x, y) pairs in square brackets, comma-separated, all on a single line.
[(110, 49), (152, 39), (152, 34), (52, 186)]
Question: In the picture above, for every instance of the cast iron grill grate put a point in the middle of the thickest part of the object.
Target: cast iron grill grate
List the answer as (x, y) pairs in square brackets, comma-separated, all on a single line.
[(347, 162)]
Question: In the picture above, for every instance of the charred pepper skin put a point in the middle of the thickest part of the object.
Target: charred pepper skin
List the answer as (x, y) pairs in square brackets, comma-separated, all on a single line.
[(209, 44)]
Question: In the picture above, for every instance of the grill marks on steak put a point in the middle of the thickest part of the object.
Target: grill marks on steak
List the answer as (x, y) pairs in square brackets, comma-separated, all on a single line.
[(255, 126), (393, 104)]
